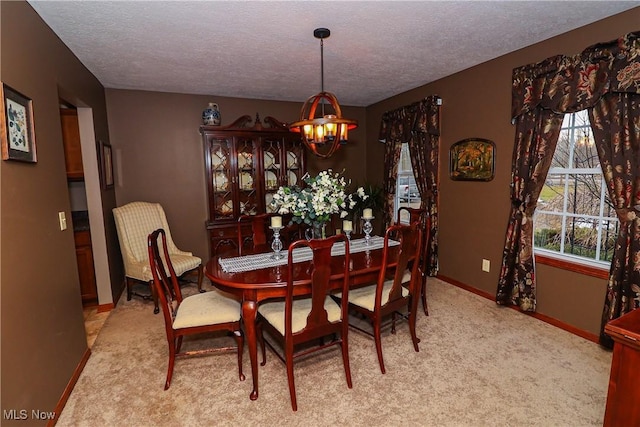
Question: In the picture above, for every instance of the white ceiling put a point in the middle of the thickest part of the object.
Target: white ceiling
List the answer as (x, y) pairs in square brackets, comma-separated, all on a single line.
[(266, 49)]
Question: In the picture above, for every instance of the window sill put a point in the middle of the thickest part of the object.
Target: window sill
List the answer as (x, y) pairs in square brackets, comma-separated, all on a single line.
[(589, 270)]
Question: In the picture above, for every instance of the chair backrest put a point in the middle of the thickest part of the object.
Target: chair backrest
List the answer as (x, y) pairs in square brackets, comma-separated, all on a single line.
[(165, 279), (410, 237), (320, 273), (420, 215), (259, 225), (134, 222), (407, 215)]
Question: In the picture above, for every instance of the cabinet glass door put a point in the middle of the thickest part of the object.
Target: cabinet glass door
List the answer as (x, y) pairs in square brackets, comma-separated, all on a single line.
[(293, 171), (272, 171), (247, 195), (221, 177)]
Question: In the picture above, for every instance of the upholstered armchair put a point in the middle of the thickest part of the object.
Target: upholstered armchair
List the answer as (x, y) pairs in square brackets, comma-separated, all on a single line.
[(134, 222)]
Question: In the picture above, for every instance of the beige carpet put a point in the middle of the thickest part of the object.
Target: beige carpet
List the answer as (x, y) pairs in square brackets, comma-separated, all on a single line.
[(478, 365)]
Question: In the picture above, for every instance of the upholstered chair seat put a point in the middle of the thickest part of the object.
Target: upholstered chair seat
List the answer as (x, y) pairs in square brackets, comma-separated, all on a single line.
[(366, 297), (206, 309), (273, 312)]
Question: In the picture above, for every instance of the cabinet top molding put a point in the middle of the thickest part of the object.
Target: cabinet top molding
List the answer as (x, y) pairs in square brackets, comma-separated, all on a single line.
[(244, 123)]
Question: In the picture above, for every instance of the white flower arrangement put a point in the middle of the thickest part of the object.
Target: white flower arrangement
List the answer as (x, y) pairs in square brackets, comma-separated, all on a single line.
[(323, 196)]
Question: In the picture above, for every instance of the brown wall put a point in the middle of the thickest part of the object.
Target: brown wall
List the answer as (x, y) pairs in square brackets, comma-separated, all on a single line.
[(160, 154), (43, 337), (473, 215)]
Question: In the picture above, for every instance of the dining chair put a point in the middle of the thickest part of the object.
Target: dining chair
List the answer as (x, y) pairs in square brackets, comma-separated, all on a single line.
[(295, 321), (196, 314), (409, 215), (134, 222), (389, 295), (257, 240)]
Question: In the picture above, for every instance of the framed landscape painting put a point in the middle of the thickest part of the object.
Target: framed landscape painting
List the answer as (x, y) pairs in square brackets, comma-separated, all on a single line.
[(472, 159), (18, 138)]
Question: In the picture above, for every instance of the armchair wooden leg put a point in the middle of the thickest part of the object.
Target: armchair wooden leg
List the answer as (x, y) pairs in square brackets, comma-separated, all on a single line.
[(129, 281), (200, 276)]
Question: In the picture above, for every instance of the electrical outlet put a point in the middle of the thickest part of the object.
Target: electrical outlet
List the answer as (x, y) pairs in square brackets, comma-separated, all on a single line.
[(63, 221), (486, 265)]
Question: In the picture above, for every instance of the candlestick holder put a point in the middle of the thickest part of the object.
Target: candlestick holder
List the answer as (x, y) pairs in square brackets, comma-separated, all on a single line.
[(276, 245), (348, 233), (367, 228)]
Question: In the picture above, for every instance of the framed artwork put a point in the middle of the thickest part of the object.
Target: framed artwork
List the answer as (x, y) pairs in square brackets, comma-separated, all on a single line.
[(106, 165), (472, 159), (18, 137)]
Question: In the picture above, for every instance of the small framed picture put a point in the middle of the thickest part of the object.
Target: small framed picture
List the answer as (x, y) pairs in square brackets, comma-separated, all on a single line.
[(472, 159), (106, 165), (18, 137)]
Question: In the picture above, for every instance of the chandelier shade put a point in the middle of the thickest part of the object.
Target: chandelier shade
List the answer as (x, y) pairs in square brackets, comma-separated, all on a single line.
[(321, 125)]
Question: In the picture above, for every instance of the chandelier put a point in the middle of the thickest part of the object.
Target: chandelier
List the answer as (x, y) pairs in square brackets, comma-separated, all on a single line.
[(321, 124)]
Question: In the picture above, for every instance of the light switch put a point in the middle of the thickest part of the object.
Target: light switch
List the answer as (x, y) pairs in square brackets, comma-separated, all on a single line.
[(63, 221), (486, 265)]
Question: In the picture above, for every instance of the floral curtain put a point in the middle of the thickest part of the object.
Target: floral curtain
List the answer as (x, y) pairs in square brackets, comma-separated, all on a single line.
[(616, 127), (605, 79), (418, 125)]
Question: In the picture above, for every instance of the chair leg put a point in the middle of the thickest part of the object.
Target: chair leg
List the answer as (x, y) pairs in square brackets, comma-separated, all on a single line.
[(154, 295), (378, 340), (345, 354), (261, 339), (292, 385), (424, 296), (393, 322), (240, 342), (172, 360), (200, 276), (413, 309)]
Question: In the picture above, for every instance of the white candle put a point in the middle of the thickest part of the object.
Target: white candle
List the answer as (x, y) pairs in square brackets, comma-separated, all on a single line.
[(276, 221), (367, 213), (347, 225)]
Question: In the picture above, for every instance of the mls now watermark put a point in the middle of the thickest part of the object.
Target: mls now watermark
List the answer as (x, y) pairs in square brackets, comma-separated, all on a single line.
[(23, 414)]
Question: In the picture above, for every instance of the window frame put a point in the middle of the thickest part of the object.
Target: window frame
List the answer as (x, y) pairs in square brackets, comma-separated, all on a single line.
[(561, 259), (405, 173)]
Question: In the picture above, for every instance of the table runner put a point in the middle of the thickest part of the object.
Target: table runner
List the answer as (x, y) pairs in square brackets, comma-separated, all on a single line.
[(264, 260)]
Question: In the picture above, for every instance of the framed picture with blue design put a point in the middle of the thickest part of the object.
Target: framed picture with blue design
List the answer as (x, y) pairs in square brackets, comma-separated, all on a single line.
[(18, 137)]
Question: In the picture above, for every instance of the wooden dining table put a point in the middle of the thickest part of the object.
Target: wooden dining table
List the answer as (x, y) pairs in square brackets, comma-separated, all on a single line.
[(255, 286)]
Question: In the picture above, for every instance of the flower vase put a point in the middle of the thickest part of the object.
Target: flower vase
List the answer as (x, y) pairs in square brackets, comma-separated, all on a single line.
[(316, 231)]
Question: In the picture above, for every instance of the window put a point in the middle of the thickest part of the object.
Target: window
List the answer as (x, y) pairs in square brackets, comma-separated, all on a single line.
[(575, 218), (407, 193)]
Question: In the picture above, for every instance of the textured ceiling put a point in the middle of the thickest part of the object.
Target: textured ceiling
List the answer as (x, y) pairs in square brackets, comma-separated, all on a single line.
[(266, 49)]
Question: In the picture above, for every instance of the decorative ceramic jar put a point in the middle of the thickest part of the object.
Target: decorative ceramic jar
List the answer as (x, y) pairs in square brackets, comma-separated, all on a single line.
[(211, 115)]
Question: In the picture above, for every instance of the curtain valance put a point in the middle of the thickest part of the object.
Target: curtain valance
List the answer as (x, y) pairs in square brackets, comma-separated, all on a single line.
[(566, 84), (420, 117)]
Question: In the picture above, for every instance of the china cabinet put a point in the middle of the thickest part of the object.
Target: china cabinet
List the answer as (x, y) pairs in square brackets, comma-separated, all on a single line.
[(245, 165)]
